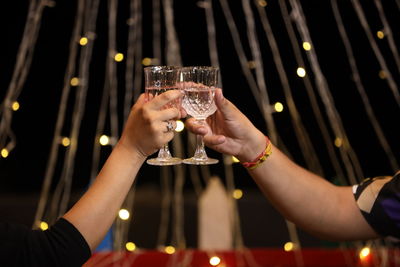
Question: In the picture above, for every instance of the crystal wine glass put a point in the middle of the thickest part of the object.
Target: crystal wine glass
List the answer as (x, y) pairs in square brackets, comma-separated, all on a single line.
[(199, 84), (159, 79)]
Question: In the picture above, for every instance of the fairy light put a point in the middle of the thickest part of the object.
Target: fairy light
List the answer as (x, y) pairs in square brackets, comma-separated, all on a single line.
[(251, 64), (15, 106), (65, 141), (214, 261), (235, 159), (237, 194), (306, 46), (104, 140), (130, 246), (338, 142), (83, 41), (301, 72), (119, 57), (4, 152), (289, 246), (123, 214), (278, 107), (44, 226), (146, 61), (262, 3), (380, 34), (179, 126), (169, 250), (364, 253), (382, 74), (74, 81)]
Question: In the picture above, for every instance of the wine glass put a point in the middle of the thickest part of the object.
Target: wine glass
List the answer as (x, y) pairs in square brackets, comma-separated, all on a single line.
[(199, 85), (159, 79)]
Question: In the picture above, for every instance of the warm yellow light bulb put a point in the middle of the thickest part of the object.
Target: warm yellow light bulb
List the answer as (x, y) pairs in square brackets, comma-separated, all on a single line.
[(237, 194), (130, 246), (380, 34), (179, 126), (169, 250), (338, 142), (123, 214), (289, 246), (235, 159), (44, 226), (15, 106), (382, 74), (301, 72), (278, 107), (74, 81), (65, 141), (364, 252), (214, 261), (4, 152), (251, 64), (83, 41), (306, 46), (262, 3), (104, 140), (119, 57), (146, 61)]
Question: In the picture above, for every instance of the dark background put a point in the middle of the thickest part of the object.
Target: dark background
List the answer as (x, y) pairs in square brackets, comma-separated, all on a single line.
[(21, 174)]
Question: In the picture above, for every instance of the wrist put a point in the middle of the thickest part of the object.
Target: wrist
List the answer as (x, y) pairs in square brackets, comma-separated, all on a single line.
[(131, 152), (252, 148)]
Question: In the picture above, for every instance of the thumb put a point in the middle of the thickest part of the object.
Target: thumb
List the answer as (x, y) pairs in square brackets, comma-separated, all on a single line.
[(223, 104)]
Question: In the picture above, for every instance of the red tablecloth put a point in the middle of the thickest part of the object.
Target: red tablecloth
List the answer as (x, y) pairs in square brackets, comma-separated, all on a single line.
[(244, 258)]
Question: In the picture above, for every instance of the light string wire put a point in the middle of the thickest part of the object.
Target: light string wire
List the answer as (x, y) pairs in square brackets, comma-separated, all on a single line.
[(62, 192), (349, 159), (310, 93), (388, 33), (360, 87), (21, 69), (302, 136), (261, 98), (70, 70), (375, 48)]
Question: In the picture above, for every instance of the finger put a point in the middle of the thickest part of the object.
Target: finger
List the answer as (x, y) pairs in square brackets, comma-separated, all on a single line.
[(194, 127), (213, 140), (224, 105), (168, 114), (170, 126), (161, 100)]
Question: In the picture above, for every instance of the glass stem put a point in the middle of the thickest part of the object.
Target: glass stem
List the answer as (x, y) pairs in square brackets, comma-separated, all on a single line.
[(200, 152), (164, 152)]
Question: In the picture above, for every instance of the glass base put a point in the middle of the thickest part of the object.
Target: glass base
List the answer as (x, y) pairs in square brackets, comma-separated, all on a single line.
[(201, 161), (164, 162)]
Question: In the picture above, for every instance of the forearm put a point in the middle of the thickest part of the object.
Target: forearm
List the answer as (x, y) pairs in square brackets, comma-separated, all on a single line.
[(95, 212), (310, 201)]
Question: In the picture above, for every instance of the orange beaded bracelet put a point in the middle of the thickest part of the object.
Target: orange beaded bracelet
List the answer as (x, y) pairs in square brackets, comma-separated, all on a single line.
[(261, 158)]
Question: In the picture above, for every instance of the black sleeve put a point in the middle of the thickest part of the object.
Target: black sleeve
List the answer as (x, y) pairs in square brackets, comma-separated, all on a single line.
[(60, 245), (379, 202)]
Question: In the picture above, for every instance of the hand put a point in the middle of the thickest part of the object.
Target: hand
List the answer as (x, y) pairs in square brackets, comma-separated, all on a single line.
[(146, 128), (229, 131)]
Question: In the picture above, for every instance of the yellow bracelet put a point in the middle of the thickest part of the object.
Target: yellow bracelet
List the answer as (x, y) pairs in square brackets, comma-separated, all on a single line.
[(260, 159)]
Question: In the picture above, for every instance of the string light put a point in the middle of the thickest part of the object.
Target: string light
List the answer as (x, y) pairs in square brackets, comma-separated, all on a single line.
[(44, 226), (119, 57), (65, 141), (289, 246), (380, 34), (301, 72), (306, 46), (146, 61), (130, 246), (15, 106), (262, 3), (123, 214), (237, 194), (338, 142), (382, 74), (235, 159), (364, 253), (104, 140), (169, 250), (4, 152), (214, 261), (74, 81), (179, 126), (278, 107), (83, 41)]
